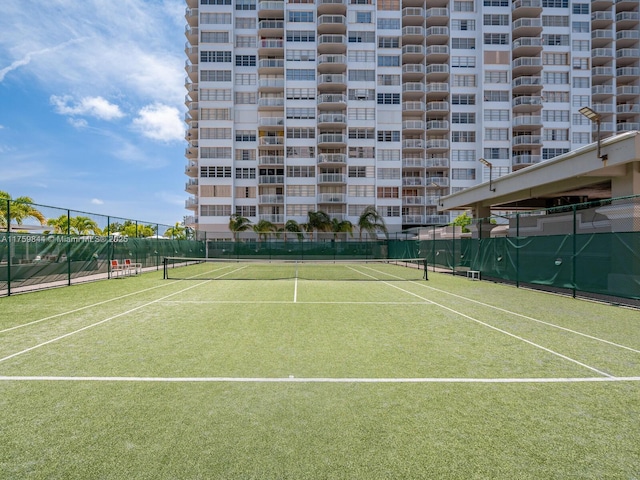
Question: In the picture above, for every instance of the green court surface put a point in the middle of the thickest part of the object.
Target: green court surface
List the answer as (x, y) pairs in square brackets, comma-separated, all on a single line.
[(374, 374)]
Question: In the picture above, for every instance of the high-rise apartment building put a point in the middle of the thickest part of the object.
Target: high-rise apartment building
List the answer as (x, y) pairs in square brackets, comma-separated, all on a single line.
[(333, 105)]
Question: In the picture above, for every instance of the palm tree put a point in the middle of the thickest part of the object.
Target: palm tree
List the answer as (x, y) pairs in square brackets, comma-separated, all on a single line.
[(293, 227), (17, 210), (371, 222), (318, 222), (237, 224), (60, 224), (263, 228), (84, 225), (177, 232), (341, 226)]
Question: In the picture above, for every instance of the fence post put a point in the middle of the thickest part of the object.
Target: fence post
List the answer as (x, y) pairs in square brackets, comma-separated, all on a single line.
[(68, 247), (8, 247), (574, 253)]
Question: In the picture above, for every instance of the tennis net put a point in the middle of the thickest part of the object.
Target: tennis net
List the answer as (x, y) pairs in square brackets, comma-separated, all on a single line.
[(251, 269)]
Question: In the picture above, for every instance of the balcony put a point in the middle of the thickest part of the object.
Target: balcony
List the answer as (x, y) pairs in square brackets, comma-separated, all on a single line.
[(523, 85), (332, 81), (601, 55), (191, 186), (436, 219), (192, 72), (270, 179), (413, 90), (413, 53), (192, 131), (436, 35), (526, 122), (605, 127), (413, 107), (270, 103), (270, 9), (437, 54), (192, 34), (601, 4), (270, 160), (526, 66), (437, 108), (327, 120), (413, 200), (191, 203), (627, 127), (332, 63), (413, 162), (437, 182), (526, 8), (271, 199), (332, 24), (526, 141), (437, 90), (412, 16), (601, 38), (331, 6), (270, 46), (626, 20), (601, 19), (327, 159), (521, 161), (526, 103), (271, 28), (437, 16), (332, 101), (413, 126), (437, 126), (332, 198), (192, 53), (270, 84), (526, 27), (191, 168), (332, 44), (601, 74), (413, 72), (413, 181), (270, 141), (413, 219), (413, 34), (338, 178), (271, 66), (413, 144), (601, 92), (627, 56), (270, 123), (191, 151), (625, 5), (436, 145), (627, 38), (332, 140), (527, 46), (437, 163), (628, 110), (627, 74), (437, 72), (627, 92)]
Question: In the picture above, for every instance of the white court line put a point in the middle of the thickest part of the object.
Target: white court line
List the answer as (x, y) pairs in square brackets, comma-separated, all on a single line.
[(295, 291), (526, 317), (517, 337), (97, 323), (292, 379), (267, 302)]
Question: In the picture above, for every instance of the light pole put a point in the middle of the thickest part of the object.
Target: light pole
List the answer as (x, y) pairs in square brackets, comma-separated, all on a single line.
[(595, 117), (490, 165)]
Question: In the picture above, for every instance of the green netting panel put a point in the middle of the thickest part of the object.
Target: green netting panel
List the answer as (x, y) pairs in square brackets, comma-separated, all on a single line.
[(403, 249)]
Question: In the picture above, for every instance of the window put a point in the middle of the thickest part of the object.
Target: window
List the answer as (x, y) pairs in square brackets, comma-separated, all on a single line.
[(245, 155), (579, 119), (245, 173), (556, 78), (215, 57), (463, 62), (388, 61), (363, 17), (496, 76), (580, 27), (245, 60), (388, 80), (462, 117), (495, 20), (555, 3), (301, 132), (216, 152), (463, 99), (388, 173), (245, 41), (556, 134), (580, 63), (245, 136), (215, 2), (301, 55), (496, 115), (245, 23), (245, 192), (246, 210), (215, 133), (555, 59), (301, 36), (463, 43), (388, 42), (362, 37), (301, 152), (496, 3), (387, 192), (389, 5), (580, 8), (211, 94), (389, 210), (360, 172), (580, 45), (297, 171), (459, 137), (301, 93), (301, 16), (496, 153), (245, 4), (548, 153), (215, 172), (580, 100), (388, 23), (215, 114), (580, 137), (388, 99), (246, 98), (463, 6), (215, 210), (496, 96), (555, 20), (555, 115), (245, 79), (362, 75), (464, 80), (551, 96), (301, 191), (300, 74), (361, 55), (362, 152), (580, 82), (215, 191), (361, 94), (215, 37), (215, 75), (362, 133), (293, 113), (463, 174), (463, 25), (389, 155), (463, 155), (496, 38), (496, 134), (555, 40), (388, 135)]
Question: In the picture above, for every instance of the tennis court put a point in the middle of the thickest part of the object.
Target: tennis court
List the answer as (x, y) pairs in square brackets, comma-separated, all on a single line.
[(354, 370)]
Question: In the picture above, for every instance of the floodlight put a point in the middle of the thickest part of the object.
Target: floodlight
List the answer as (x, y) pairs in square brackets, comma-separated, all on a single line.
[(487, 163), (595, 117)]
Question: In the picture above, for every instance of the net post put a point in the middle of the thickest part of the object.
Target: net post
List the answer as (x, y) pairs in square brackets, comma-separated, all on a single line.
[(165, 268)]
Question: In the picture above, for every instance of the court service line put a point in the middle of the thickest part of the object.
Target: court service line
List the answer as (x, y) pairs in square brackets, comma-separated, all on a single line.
[(553, 352), (292, 379), (602, 340), (26, 350)]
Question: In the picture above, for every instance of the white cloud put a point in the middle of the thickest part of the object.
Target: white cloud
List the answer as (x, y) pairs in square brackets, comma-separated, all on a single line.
[(88, 106), (97, 201), (160, 122), (132, 154), (78, 123)]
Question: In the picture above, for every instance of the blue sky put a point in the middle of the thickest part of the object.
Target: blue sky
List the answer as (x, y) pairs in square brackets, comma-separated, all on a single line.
[(92, 105)]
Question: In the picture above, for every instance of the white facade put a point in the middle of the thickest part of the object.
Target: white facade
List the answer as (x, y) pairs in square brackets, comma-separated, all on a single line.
[(335, 105)]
